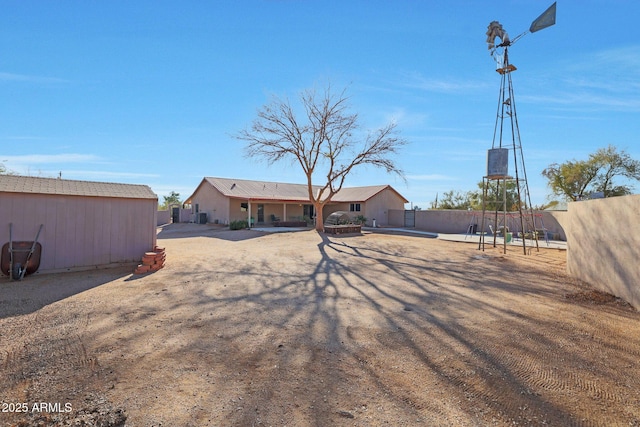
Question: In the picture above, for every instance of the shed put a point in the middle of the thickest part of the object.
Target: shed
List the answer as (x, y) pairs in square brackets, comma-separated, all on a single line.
[(85, 224)]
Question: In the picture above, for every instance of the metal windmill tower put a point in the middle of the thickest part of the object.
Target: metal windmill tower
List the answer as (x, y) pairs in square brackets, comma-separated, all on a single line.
[(506, 137)]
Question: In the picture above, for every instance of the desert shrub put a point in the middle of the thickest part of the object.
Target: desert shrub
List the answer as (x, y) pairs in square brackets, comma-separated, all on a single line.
[(239, 224), (360, 219)]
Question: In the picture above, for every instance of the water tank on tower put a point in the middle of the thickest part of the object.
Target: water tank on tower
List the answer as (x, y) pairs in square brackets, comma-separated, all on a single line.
[(497, 163)]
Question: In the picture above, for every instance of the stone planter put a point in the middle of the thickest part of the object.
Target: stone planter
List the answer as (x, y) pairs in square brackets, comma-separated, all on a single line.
[(343, 229)]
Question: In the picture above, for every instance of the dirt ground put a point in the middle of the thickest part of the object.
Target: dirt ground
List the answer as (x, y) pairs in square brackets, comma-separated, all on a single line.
[(244, 328)]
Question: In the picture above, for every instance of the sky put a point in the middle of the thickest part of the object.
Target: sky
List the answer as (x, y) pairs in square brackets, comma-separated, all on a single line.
[(154, 92)]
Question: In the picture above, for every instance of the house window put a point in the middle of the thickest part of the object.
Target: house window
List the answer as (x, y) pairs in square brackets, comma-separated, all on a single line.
[(354, 207), (244, 207)]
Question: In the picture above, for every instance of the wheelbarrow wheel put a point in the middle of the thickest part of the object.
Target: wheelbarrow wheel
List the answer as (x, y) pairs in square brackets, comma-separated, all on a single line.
[(17, 270)]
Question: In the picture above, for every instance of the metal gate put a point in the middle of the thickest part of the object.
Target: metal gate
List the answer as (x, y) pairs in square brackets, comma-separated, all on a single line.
[(175, 215), (410, 218)]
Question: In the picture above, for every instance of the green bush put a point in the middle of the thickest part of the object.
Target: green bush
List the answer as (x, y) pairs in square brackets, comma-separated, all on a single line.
[(360, 219), (239, 224)]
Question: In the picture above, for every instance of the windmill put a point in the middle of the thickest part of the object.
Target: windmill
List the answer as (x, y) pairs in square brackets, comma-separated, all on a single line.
[(506, 137)]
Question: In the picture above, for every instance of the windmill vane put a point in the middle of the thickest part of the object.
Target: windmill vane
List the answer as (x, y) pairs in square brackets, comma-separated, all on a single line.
[(495, 30)]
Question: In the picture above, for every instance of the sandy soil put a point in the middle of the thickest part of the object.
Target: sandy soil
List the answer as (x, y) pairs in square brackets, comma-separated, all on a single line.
[(243, 328)]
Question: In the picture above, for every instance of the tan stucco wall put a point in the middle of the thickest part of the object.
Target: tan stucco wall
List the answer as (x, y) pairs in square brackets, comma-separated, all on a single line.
[(80, 232), (603, 245), (212, 202), (378, 207), (293, 210), (396, 217)]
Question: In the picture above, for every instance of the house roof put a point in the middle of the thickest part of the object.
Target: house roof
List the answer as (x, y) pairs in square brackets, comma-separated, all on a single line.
[(278, 191), (362, 194), (67, 187), (245, 189)]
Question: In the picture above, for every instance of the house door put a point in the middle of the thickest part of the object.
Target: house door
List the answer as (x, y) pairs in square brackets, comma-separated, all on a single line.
[(175, 215), (307, 210), (260, 213)]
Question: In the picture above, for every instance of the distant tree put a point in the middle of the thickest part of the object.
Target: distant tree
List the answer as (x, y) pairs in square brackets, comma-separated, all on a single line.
[(172, 199), (473, 199), (570, 179), (495, 196), (614, 164), (454, 200), (325, 141), (577, 179), (5, 171)]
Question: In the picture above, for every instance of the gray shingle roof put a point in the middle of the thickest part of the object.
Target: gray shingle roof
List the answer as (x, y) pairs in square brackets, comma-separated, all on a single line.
[(67, 187)]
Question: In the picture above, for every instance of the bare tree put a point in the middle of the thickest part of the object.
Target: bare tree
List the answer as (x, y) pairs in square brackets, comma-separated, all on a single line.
[(325, 141)]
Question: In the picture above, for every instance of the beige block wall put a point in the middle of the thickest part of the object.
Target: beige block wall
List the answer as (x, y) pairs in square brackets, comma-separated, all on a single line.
[(603, 245), (457, 221)]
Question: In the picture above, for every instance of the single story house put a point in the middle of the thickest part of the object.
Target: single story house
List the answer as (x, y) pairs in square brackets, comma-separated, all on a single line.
[(222, 200), (84, 224)]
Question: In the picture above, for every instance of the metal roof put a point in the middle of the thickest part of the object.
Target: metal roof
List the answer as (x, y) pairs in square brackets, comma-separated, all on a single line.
[(67, 187), (245, 189), (279, 191)]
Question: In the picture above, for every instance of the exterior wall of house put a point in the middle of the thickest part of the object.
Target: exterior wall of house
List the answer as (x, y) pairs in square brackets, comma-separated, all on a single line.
[(277, 209), (335, 207), (213, 203), (80, 232), (603, 245), (378, 207)]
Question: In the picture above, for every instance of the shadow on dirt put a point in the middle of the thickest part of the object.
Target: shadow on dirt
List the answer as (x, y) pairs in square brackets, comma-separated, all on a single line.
[(36, 291), (292, 347)]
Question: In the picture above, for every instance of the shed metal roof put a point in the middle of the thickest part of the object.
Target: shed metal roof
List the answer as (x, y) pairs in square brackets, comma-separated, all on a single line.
[(67, 187)]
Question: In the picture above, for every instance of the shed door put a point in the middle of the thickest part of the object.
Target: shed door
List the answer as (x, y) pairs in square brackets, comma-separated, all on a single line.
[(410, 218)]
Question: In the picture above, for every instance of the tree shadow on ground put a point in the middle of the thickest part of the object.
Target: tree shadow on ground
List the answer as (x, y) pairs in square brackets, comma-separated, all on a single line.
[(282, 335), (369, 331)]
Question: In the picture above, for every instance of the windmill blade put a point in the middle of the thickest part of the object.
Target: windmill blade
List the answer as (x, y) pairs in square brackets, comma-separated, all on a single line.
[(547, 19)]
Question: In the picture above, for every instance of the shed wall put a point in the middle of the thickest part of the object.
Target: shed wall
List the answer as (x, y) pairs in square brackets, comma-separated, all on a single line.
[(80, 232)]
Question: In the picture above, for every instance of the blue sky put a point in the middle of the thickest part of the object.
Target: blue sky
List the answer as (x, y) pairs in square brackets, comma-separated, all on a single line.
[(152, 92)]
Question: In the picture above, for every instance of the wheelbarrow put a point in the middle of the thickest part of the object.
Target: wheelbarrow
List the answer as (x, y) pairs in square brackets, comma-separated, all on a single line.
[(21, 257)]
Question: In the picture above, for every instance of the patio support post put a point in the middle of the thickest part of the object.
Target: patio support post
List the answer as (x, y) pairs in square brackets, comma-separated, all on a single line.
[(284, 211), (249, 212)]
